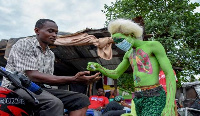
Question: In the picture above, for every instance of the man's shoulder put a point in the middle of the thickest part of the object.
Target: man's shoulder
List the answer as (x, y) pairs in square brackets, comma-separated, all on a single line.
[(26, 41), (153, 43), (104, 97), (29, 39), (93, 96)]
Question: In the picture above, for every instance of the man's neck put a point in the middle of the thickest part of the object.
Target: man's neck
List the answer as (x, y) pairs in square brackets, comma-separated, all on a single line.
[(42, 45)]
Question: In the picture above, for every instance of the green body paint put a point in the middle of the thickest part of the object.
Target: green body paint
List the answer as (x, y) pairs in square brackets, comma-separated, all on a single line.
[(146, 59)]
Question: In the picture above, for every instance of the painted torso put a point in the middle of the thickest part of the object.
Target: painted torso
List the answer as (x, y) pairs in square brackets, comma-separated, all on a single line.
[(144, 64)]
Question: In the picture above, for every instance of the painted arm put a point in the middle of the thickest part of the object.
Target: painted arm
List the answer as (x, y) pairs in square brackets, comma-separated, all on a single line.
[(114, 74), (166, 66)]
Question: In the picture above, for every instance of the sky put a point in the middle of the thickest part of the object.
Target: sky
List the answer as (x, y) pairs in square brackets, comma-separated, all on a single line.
[(18, 17)]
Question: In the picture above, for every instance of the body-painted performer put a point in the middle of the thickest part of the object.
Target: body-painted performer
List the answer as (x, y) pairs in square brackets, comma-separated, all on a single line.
[(146, 59)]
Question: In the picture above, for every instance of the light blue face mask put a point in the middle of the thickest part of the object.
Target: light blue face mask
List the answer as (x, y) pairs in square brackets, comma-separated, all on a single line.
[(124, 45)]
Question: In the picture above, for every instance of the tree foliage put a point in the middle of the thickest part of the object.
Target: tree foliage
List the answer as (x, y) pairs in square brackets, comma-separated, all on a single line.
[(172, 22)]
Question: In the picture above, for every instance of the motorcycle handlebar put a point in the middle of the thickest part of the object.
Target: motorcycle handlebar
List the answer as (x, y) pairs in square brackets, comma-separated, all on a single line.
[(21, 81)]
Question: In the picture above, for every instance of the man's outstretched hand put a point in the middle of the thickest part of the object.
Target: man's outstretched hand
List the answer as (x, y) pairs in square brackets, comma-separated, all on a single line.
[(84, 77)]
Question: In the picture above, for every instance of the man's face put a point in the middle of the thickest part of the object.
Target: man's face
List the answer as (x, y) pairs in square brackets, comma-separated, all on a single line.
[(123, 42), (100, 92), (118, 37), (48, 33)]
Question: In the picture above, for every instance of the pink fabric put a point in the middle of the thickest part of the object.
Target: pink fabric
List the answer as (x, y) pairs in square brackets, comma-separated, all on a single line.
[(104, 45)]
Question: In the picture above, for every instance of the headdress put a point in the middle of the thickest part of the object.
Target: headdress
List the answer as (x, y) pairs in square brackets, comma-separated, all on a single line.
[(125, 26)]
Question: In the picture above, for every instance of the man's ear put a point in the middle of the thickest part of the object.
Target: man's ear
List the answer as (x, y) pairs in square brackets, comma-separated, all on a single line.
[(36, 31)]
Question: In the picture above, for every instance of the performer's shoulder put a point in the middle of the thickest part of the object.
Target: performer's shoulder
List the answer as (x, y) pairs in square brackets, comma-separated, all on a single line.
[(154, 43)]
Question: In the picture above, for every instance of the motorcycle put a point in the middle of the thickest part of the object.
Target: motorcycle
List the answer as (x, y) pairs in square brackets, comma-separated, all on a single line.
[(11, 104)]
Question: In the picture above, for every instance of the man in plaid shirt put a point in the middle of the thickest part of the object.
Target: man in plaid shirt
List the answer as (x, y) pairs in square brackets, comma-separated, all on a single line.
[(32, 57)]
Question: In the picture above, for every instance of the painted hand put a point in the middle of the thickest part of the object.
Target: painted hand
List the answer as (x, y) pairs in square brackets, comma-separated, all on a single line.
[(92, 66)]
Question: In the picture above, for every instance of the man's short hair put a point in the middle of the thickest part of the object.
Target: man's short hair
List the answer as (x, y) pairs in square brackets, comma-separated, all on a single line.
[(40, 23)]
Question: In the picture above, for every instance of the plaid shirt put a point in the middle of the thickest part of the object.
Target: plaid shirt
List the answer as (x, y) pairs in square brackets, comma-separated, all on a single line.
[(27, 54)]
